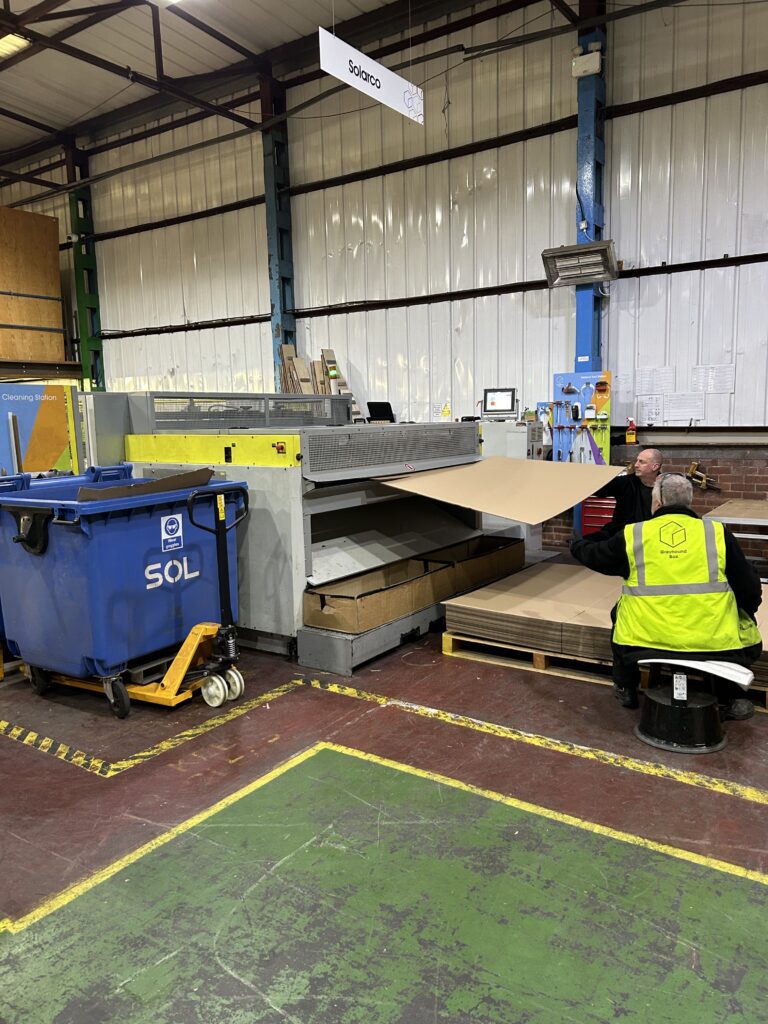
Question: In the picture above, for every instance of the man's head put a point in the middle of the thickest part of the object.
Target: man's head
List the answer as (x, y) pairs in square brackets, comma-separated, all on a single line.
[(671, 489), (647, 465)]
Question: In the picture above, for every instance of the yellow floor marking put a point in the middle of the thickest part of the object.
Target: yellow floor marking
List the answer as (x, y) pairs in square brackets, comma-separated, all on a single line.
[(567, 819), (86, 884), (106, 769), (652, 768), (203, 727)]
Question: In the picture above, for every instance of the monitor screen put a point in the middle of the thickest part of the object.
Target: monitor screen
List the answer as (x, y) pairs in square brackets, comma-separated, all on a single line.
[(499, 402)]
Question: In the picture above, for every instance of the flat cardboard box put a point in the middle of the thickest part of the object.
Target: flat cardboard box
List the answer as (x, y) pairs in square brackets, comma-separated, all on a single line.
[(481, 560), (374, 598), (524, 490)]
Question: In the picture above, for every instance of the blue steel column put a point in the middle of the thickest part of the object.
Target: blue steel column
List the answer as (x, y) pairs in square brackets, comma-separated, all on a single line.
[(278, 209), (590, 162)]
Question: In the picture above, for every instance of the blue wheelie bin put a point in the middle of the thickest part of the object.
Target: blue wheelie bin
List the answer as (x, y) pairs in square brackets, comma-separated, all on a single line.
[(98, 577), (26, 481)]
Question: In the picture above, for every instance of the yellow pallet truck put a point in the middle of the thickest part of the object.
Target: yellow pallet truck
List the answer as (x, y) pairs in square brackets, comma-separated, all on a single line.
[(206, 660)]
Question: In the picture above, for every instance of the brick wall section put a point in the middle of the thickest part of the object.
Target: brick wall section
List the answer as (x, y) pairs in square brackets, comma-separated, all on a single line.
[(738, 472)]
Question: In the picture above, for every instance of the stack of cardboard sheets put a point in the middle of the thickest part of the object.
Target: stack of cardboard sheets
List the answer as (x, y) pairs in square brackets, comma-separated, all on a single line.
[(557, 609)]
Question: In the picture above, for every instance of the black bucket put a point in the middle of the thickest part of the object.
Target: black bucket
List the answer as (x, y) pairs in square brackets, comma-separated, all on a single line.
[(690, 728)]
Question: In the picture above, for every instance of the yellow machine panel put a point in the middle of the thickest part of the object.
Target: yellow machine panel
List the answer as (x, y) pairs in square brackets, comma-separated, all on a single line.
[(215, 449)]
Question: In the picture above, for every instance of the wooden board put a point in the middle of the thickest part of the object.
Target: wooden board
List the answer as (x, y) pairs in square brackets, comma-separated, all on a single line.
[(29, 253), (29, 267), (750, 512)]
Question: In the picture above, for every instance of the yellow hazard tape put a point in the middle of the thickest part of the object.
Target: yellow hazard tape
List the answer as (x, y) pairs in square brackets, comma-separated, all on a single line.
[(651, 768)]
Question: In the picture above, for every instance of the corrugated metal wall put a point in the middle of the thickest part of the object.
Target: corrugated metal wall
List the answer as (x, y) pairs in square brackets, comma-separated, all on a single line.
[(683, 183)]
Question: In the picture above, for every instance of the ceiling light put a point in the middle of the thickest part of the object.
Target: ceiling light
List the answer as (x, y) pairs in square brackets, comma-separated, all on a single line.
[(580, 264), (11, 44)]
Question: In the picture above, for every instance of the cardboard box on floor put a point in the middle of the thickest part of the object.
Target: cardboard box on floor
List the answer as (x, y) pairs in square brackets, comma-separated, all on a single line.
[(374, 598)]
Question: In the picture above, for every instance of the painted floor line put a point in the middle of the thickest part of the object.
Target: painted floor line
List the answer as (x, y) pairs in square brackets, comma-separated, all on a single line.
[(14, 926), (651, 768), (108, 769)]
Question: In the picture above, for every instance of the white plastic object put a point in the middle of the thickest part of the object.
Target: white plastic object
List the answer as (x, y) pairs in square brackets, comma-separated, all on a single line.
[(214, 691), (235, 683)]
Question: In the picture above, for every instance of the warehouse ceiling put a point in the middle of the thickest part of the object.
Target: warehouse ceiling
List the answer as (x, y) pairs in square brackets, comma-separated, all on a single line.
[(70, 67)]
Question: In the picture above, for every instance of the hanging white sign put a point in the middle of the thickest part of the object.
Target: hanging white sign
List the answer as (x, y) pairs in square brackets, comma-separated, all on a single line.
[(354, 68)]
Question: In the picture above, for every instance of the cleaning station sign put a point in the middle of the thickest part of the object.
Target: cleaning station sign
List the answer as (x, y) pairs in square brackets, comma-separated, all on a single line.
[(363, 73)]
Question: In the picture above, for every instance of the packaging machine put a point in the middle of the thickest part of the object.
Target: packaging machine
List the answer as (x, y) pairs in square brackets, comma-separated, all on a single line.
[(319, 510)]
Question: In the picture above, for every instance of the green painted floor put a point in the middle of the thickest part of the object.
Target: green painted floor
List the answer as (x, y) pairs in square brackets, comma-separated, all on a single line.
[(346, 891)]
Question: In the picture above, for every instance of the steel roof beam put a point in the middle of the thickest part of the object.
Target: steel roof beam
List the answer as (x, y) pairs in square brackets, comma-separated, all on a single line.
[(264, 67), (72, 30), (567, 12), (165, 87), (15, 176), (82, 12), (23, 119)]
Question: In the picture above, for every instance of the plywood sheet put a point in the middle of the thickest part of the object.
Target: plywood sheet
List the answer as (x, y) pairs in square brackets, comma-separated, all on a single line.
[(526, 491), (29, 253), (20, 346)]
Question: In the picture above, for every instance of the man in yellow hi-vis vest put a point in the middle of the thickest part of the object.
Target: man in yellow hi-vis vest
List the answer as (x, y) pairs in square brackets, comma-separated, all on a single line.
[(688, 588)]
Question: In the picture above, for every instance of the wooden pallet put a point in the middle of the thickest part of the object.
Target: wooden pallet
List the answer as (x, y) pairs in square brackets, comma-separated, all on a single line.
[(495, 652)]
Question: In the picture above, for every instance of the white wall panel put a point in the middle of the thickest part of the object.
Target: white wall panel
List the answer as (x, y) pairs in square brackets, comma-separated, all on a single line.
[(178, 185), (200, 270), (723, 174), (684, 320), (228, 359), (472, 222), (433, 361), (684, 46)]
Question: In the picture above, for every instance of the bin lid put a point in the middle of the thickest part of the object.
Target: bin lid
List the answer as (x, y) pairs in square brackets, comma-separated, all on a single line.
[(66, 500)]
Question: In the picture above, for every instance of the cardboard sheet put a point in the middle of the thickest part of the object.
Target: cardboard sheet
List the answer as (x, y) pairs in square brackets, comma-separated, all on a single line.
[(561, 609), (738, 510), (519, 489)]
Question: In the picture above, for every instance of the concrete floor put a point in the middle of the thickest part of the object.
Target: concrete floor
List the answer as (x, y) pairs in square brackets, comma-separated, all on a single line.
[(652, 866)]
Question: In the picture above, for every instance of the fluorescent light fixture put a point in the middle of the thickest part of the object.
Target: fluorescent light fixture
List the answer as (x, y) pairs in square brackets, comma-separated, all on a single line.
[(11, 44), (580, 264)]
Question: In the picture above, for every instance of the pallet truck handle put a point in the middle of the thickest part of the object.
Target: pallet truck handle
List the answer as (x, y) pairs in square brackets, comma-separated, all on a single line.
[(196, 496), (220, 528)]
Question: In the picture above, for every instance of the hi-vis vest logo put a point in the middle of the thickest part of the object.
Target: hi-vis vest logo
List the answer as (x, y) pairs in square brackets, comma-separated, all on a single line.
[(171, 572), (672, 534)]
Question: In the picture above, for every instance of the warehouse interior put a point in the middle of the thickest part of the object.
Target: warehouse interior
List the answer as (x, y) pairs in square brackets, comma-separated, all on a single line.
[(333, 338)]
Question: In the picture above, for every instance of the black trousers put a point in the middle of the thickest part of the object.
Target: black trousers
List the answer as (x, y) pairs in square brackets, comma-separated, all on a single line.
[(626, 671)]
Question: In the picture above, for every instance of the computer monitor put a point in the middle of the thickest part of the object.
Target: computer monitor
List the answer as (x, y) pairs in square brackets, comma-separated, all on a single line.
[(499, 402), (380, 412)]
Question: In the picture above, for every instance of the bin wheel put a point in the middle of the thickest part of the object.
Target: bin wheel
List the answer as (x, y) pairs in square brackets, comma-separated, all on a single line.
[(214, 691), (119, 702), (40, 680), (235, 683)]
